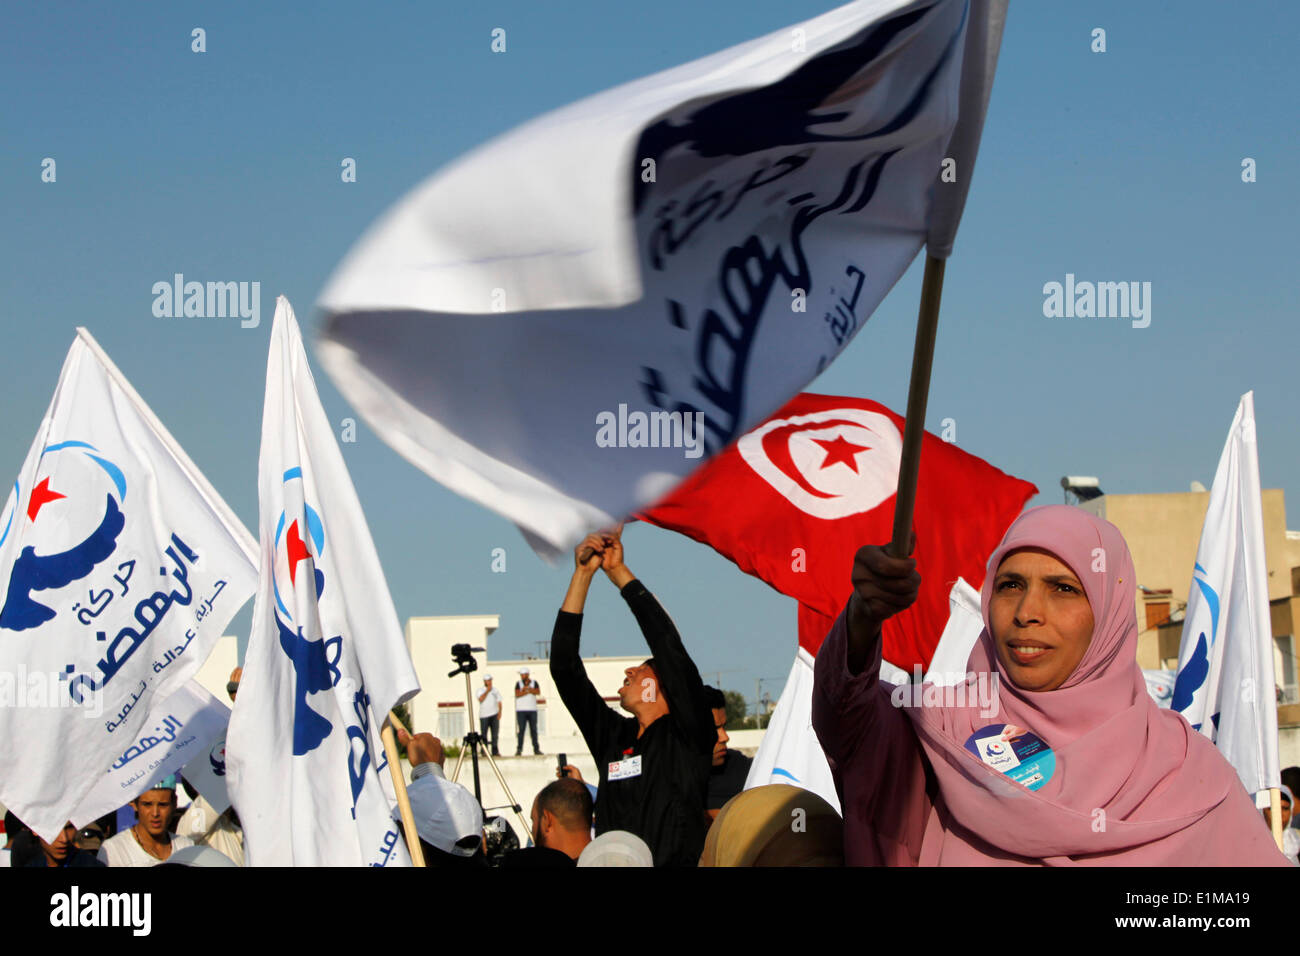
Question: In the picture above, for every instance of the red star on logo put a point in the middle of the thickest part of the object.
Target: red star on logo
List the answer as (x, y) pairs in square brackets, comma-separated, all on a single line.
[(840, 450), (41, 496), (297, 549)]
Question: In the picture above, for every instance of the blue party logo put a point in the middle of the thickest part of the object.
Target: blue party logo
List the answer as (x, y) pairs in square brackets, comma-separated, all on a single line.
[(298, 545), (55, 518), (217, 758), (1194, 671)]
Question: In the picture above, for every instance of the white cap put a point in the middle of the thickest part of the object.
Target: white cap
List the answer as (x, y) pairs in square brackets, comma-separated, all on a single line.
[(445, 813), (616, 848), (200, 856), (523, 670), (486, 678)]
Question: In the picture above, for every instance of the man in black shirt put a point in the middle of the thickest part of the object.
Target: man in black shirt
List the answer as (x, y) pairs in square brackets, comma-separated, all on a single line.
[(654, 766), (730, 767), (561, 827)]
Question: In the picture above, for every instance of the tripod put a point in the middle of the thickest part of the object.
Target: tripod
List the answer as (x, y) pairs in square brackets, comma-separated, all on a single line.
[(471, 742)]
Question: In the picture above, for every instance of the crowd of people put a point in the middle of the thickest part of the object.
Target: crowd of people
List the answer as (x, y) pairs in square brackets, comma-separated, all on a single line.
[(1127, 782), (665, 770), (160, 834)]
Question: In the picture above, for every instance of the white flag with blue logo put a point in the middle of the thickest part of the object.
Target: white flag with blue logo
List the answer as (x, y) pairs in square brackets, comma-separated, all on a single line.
[(1224, 685), (326, 657), (119, 567), (563, 324), (184, 727)]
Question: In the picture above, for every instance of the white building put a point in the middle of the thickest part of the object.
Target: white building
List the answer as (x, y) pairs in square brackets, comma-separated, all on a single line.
[(440, 706)]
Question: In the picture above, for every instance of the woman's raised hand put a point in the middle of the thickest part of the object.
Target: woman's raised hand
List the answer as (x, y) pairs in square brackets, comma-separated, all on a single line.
[(882, 586)]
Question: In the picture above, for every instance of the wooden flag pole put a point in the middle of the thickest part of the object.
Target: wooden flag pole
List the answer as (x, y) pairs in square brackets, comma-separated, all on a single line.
[(1275, 814), (399, 784), (918, 393), (397, 722)]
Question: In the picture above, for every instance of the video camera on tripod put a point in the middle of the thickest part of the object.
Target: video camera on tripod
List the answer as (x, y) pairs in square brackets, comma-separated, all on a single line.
[(463, 656)]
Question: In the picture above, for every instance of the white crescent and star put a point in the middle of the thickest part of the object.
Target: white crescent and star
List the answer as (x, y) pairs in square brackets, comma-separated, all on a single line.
[(829, 464)]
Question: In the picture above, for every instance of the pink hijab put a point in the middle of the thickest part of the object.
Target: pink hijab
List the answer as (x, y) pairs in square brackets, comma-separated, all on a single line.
[(1131, 780)]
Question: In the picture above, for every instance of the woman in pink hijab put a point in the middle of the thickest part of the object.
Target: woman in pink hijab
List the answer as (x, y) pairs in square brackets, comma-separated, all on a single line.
[(1052, 752)]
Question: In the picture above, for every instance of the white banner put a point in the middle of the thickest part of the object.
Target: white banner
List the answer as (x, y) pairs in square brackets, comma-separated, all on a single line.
[(184, 725), (790, 751), (1225, 684), (657, 268), (326, 658), (119, 567), (951, 658)]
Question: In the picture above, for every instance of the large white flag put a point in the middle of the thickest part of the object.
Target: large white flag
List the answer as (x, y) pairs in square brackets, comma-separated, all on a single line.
[(326, 657), (119, 567), (562, 324), (1225, 676)]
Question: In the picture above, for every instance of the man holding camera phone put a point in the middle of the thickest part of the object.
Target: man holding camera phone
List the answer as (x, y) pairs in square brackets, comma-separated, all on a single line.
[(654, 765), (527, 691), (489, 713)]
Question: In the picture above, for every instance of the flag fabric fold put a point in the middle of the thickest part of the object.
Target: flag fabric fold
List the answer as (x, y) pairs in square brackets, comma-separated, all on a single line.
[(326, 657), (1225, 681), (979, 64), (120, 565), (562, 324)]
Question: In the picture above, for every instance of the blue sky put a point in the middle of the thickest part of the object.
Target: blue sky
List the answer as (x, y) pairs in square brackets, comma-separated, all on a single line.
[(1123, 165)]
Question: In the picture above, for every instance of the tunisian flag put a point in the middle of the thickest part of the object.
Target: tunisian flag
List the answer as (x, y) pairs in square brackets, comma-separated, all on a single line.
[(793, 500)]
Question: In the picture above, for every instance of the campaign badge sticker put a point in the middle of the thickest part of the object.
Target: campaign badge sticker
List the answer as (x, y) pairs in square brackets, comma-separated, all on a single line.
[(1014, 751), (626, 768)]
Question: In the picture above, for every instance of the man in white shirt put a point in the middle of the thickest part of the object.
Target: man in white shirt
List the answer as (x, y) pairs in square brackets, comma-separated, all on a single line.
[(148, 842), (206, 827), (527, 691), (489, 713)]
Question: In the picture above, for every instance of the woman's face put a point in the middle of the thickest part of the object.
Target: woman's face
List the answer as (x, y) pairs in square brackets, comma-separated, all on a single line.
[(1041, 619)]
